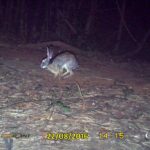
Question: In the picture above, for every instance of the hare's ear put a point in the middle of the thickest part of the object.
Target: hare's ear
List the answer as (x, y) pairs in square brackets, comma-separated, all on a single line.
[(49, 53)]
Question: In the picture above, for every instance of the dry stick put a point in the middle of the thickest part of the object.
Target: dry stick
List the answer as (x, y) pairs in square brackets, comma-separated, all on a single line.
[(124, 22), (68, 23), (51, 114), (81, 95), (140, 45), (27, 101), (50, 117), (90, 17), (122, 12)]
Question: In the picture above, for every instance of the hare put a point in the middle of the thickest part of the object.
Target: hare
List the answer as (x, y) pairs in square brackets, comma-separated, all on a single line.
[(61, 65)]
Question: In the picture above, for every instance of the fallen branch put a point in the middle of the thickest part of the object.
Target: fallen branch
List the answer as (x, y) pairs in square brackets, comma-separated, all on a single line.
[(124, 22), (140, 46), (68, 23)]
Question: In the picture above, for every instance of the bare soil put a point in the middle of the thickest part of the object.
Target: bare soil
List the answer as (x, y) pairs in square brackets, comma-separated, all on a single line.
[(104, 105)]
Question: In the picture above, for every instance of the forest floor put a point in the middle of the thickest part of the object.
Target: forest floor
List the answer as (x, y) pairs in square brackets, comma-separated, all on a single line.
[(104, 106)]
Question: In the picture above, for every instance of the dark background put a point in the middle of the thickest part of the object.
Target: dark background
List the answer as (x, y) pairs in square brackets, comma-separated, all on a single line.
[(87, 24)]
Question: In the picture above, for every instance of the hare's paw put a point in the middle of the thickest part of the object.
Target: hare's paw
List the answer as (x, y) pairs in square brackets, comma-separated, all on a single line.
[(68, 74)]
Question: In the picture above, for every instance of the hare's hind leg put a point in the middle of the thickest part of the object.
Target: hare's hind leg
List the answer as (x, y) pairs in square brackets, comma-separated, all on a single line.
[(68, 74)]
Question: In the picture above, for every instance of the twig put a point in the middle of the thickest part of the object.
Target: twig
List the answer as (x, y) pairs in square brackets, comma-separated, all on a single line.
[(124, 22), (68, 23), (140, 45), (122, 12), (81, 95)]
